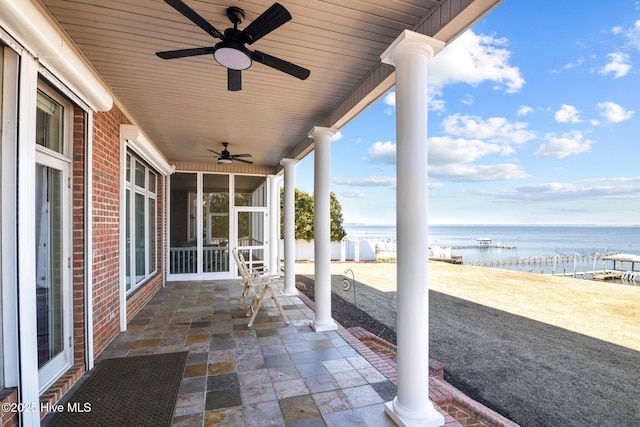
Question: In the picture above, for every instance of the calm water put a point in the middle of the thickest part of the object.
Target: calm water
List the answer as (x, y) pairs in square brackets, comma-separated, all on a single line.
[(559, 247)]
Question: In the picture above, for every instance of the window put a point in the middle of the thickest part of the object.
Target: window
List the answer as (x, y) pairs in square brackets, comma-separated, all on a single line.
[(141, 222), (49, 123)]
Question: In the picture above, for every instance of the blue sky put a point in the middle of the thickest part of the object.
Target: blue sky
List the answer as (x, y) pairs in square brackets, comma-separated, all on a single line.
[(534, 118)]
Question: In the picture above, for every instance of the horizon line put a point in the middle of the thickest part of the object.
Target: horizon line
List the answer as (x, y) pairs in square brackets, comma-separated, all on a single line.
[(501, 224)]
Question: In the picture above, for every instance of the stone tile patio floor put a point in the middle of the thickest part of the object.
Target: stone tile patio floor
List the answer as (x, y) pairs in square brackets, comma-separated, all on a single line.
[(269, 375)]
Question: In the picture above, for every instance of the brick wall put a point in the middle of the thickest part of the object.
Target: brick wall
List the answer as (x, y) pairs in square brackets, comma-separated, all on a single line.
[(9, 418), (106, 233), (106, 227)]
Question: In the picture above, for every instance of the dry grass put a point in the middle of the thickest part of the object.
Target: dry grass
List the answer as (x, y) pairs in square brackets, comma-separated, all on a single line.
[(606, 311)]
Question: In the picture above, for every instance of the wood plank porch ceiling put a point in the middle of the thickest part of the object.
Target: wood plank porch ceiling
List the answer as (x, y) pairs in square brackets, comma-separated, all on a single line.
[(183, 105)]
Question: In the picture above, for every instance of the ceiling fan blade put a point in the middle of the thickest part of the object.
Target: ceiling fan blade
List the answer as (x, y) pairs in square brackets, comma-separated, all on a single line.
[(243, 161), (193, 16), (183, 53), (281, 65), (241, 155), (234, 80), (270, 19), (215, 152)]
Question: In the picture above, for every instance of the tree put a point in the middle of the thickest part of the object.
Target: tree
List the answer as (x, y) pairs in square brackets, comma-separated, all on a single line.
[(337, 232), (303, 213)]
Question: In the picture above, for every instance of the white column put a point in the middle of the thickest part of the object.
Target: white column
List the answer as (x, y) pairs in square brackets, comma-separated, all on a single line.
[(410, 54), (289, 226), (322, 227)]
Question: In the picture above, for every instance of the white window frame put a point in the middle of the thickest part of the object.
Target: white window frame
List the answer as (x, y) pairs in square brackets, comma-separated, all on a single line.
[(134, 141), (134, 189), (63, 162)]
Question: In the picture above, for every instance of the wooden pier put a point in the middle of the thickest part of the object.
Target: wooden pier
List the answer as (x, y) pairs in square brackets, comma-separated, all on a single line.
[(596, 275), (483, 246), (609, 275), (485, 243)]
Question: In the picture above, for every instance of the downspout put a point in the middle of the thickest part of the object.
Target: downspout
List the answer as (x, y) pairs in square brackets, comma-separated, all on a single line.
[(168, 219), (165, 229), (88, 242)]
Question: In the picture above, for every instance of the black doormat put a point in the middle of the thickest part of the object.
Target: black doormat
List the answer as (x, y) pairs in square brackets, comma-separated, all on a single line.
[(127, 391)]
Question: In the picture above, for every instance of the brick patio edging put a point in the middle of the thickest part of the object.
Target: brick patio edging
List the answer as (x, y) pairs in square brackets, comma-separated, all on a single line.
[(457, 408), (382, 363)]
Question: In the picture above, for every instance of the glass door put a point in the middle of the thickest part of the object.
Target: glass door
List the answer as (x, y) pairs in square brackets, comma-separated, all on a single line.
[(52, 256), (51, 279), (250, 199)]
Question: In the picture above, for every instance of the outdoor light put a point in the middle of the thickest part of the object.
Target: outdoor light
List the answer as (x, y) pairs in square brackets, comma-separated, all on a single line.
[(232, 55)]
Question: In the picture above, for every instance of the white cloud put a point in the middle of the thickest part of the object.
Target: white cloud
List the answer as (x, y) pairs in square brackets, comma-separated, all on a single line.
[(564, 145), (473, 59), (524, 110), (619, 65), (390, 99), (336, 136), (467, 99), (446, 150), (613, 112), (437, 104), (383, 152), (567, 114), (353, 193), (616, 180), (478, 173), (633, 35), (578, 62), (566, 191), (369, 181), (571, 65), (494, 129), (442, 150)]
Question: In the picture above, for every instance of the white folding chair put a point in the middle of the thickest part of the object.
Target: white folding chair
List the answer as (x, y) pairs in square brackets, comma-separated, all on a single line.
[(257, 283)]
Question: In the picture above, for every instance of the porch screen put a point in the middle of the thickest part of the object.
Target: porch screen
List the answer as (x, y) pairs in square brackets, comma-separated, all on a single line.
[(183, 257), (215, 223), (250, 191)]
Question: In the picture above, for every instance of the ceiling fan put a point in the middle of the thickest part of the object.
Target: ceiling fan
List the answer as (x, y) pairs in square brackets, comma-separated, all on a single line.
[(226, 157), (231, 51)]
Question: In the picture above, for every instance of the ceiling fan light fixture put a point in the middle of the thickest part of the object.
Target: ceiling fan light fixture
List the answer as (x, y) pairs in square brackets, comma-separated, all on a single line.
[(232, 55), (224, 161)]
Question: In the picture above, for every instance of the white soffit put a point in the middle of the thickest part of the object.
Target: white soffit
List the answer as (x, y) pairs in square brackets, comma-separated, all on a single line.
[(32, 28)]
